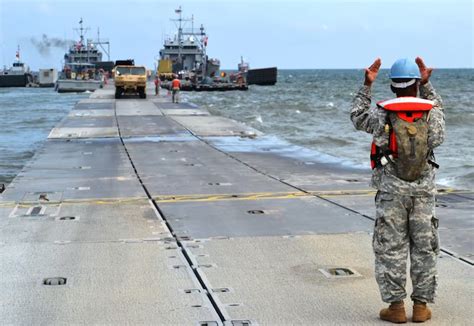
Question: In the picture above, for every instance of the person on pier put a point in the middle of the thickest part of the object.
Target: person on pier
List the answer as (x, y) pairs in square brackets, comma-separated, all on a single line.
[(405, 131)]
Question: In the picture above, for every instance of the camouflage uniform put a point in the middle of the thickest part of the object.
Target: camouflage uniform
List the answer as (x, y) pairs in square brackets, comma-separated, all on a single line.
[(405, 220)]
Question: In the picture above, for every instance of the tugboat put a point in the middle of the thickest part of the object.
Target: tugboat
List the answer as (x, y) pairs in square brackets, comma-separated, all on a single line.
[(185, 55), (80, 72), (18, 75)]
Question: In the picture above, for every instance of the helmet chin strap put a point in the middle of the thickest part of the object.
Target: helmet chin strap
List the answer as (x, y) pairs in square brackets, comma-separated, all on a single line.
[(404, 84)]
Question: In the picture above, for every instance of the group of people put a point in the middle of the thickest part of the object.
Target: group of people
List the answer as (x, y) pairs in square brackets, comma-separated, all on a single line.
[(175, 88)]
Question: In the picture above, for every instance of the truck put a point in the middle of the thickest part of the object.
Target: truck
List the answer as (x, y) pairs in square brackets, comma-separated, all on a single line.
[(130, 79)]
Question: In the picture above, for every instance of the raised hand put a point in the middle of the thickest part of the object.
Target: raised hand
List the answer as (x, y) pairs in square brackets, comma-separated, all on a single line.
[(372, 72), (425, 72)]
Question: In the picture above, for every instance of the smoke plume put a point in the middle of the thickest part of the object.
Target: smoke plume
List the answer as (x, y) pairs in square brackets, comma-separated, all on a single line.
[(45, 43)]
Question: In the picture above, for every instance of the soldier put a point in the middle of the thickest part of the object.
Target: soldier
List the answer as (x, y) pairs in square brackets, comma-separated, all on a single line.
[(405, 131)]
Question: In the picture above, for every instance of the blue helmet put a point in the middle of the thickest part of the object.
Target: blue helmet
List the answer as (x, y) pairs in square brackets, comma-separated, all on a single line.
[(405, 68)]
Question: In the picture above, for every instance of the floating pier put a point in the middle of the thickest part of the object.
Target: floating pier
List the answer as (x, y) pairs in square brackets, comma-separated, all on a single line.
[(147, 212)]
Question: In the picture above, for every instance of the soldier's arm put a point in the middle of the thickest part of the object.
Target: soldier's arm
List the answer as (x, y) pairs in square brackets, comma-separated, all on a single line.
[(363, 117), (428, 92), (436, 123)]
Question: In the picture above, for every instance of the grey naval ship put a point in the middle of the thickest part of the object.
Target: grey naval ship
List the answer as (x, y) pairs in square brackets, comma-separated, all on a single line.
[(185, 55), (83, 68)]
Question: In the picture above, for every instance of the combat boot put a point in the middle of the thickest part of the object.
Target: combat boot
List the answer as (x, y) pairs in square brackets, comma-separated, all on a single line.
[(395, 313), (421, 312)]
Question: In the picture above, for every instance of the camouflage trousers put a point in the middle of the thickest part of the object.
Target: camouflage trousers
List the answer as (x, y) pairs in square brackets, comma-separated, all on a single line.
[(175, 95), (405, 225)]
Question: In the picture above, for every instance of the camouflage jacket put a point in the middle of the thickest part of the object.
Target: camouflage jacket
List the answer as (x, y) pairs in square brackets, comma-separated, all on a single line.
[(372, 120)]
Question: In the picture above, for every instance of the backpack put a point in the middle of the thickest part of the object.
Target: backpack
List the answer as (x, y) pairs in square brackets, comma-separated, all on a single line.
[(407, 129)]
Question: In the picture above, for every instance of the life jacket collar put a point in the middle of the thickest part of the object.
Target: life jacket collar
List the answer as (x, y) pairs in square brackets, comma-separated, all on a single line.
[(408, 103)]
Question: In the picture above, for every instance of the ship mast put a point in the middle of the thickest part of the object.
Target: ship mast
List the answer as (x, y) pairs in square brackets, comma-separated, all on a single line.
[(180, 26), (82, 32), (103, 42)]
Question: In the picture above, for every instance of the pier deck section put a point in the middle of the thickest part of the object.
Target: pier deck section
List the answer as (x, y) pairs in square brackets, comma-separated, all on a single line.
[(159, 213)]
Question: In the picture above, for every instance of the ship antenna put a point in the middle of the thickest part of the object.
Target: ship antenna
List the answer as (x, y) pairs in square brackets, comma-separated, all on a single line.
[(82, 31), (180, 31), (103, 42)]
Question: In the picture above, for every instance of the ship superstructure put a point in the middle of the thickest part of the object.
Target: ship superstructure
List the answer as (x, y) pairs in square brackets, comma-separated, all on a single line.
[(18, 75), (185, 52), (81, 64)]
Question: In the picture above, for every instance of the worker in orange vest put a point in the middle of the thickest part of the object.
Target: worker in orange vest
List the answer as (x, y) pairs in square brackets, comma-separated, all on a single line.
[(175, 87)]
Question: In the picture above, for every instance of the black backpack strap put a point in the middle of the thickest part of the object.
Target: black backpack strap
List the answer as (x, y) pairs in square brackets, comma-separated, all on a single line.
[(432, 160)]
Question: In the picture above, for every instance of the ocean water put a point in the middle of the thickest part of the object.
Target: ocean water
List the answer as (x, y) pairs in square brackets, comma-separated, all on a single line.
[(308, 108), (27, 117), (311, 108)]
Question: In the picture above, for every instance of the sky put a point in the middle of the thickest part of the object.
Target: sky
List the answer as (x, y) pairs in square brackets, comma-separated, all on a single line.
[(297, 34)]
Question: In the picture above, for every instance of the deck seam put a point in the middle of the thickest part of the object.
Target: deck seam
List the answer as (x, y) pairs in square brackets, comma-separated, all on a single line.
[(206, 288)]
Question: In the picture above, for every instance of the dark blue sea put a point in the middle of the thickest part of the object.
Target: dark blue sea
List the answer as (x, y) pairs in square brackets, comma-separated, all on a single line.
[(309, 108)]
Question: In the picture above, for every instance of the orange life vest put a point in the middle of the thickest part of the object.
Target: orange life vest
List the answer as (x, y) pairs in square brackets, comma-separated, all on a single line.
[(175, 84), (409, 109)]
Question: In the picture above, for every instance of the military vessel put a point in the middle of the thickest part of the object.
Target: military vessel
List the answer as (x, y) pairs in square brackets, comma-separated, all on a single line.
[(185, 52), (81, 71), (18, 75)]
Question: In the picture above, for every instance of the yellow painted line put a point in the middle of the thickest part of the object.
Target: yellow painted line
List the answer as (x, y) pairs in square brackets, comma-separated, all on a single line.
[(338, 193), (90, 201), (8, 204), (106, 201), (221, 197), (271, 195), (216, 197), (256, 196)]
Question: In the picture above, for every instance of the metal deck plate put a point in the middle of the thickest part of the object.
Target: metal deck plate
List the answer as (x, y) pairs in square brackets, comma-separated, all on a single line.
[(215, 126), (307, 174), (276, 281), (127, 107), (94, 106), (124, 220), (86, 132), (91, 113), (80, 169), (96, 100), (88, 122), (104, 93), (148, 125), (168, 105), (252, 216), (185, 112), (195, 168), (79, 189)]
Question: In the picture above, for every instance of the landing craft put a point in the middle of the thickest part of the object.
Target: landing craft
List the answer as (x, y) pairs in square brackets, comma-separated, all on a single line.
[(83, 68)]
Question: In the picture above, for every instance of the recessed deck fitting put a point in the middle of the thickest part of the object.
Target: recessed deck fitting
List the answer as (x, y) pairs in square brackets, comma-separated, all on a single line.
[(339, 272), (55, 281)]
